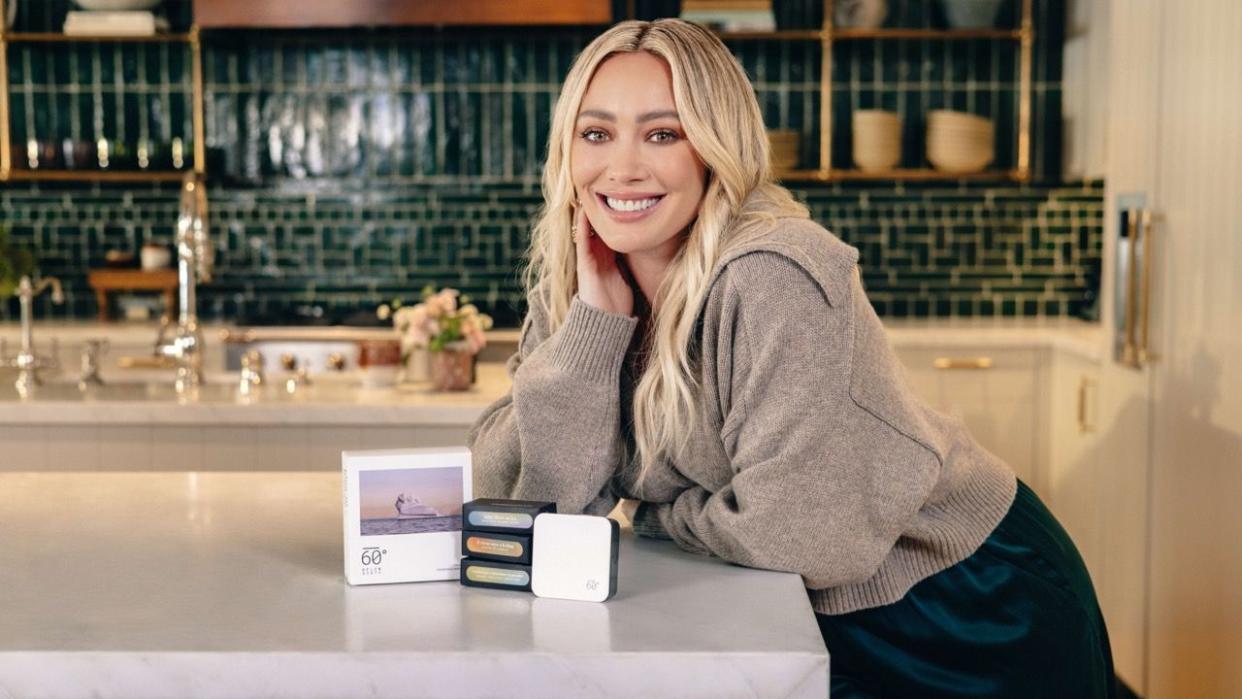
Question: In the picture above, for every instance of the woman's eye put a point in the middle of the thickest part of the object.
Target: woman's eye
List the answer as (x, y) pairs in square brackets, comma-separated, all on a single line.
[(664, 136), (593, 135)]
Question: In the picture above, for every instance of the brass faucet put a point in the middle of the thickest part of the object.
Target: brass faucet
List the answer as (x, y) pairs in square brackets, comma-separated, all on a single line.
[(194, 264)]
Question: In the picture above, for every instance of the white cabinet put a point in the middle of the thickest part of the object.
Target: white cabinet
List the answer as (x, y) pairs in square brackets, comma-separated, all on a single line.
[(1073, 488), (1039, 410), (190, 447), (998, 393)]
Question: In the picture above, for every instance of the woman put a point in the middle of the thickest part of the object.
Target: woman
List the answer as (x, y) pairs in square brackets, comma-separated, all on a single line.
[(701, 351)]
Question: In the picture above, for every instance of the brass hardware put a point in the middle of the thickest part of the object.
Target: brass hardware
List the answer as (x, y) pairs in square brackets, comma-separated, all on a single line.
[(61, 38), (963, 363), (336, 361), (1144, 346), (200, 147), (828, 34), (1084, 427), (9, 173), (146, 363), (6, 155), (1129, 353), (825, 95), (288, 361), (232, 336), (1024, 89)]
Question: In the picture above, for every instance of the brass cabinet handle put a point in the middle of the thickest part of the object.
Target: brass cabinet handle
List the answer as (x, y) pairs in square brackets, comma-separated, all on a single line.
[(1130, 342), (962, 363), (1145, 355), (1084, 425), (1136, 336)]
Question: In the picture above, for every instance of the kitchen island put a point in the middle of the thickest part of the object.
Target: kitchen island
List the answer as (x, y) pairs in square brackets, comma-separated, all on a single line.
[(230, 585)]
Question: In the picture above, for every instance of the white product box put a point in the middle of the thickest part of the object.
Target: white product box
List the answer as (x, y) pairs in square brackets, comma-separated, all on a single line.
[(402, 513)]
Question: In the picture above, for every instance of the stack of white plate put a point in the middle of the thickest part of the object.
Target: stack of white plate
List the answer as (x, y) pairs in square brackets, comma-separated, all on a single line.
[(958, 142), (877, 140), (784, 149)]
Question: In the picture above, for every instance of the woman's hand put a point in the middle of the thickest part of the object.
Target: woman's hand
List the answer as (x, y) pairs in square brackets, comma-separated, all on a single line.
[(601, 280)]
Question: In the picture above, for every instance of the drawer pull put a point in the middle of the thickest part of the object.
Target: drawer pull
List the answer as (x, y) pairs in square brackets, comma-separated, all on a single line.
[(963, 363), (1085, 426)]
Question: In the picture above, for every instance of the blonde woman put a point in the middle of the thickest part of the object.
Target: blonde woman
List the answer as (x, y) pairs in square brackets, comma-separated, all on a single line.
[(700, 350)]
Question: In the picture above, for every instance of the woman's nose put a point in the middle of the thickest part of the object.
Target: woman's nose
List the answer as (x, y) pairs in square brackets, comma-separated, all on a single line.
[(626, 164)]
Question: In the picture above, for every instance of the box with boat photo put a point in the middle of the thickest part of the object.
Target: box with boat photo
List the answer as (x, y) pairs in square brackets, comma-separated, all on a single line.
[(402, 513)]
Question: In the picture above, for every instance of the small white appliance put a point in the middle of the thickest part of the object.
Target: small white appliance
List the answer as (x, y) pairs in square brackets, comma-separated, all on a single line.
[(575, 557)]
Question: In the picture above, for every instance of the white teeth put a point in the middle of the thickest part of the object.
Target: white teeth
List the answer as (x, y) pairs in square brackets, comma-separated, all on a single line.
[(631, 204)]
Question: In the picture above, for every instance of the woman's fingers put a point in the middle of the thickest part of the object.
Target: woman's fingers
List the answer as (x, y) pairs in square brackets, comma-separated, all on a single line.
[(600, 282)]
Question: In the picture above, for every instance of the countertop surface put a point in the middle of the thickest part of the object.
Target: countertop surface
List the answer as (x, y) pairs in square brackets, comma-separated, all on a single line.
[(330, 399), (132, 397), (1084, 338), (231, 584)]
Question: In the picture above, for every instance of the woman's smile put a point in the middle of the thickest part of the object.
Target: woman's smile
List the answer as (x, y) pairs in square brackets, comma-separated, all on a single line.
[(629, 208)]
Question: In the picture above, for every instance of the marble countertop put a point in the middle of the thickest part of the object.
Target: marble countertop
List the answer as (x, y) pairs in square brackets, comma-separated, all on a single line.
[(134, 397), (331, 399), (1085, 339), (231, 585), (139, 332)]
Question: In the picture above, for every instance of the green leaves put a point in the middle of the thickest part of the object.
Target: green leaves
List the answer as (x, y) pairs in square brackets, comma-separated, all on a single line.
[(15, 263)]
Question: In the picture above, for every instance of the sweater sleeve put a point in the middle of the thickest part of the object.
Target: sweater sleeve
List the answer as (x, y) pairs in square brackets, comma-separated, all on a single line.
[(557, 434), (821, 486)]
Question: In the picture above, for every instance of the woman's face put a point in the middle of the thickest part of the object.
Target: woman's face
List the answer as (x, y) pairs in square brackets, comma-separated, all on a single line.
[(632, 166)]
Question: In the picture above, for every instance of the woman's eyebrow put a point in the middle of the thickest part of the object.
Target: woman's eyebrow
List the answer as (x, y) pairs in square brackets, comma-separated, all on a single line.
[(648, 116)]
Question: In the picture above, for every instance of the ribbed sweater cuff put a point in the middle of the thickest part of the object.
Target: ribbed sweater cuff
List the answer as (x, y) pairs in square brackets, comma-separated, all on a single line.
[(646, 521), (592, 342)]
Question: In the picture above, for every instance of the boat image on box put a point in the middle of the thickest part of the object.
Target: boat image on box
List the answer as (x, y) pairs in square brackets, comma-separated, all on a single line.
[(409, 506)]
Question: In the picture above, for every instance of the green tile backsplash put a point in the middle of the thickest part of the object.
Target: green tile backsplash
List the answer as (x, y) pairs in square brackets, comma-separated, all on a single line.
[(346, 171)]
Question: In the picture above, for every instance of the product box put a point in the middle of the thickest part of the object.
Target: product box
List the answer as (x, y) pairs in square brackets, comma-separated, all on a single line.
[(403, 513)]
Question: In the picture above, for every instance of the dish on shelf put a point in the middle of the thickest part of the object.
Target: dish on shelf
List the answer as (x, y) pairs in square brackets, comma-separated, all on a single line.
[(958, 142), (859, 14), (877, 139), (971, 14), (783, 154), (116, 5)]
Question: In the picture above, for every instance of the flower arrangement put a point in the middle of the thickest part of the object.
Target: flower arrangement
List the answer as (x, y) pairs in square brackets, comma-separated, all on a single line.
[(438, 322)]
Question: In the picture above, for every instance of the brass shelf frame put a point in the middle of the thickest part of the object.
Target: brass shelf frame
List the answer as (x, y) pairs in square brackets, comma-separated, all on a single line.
[(825, 36), (1024, 35), (59, 38), (24, 175), (8, 173)]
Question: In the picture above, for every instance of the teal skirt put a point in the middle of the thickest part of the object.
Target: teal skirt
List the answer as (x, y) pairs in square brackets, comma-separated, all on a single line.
[(1018, 618)]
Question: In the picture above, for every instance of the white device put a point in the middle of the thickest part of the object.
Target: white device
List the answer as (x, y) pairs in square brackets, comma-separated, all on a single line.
[(574, 557)]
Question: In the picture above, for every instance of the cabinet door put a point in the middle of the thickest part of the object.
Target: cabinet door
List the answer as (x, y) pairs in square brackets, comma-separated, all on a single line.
[(994, 392), (1074, 486)]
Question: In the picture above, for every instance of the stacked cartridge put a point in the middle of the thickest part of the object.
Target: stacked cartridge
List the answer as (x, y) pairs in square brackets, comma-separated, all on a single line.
[(497, 540)]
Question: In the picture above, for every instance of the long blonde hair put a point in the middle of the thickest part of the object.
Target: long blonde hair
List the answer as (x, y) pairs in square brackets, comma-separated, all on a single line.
[(721, 118)]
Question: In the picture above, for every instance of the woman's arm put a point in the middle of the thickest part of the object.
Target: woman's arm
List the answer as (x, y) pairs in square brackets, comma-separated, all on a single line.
[(557, 434), (821, 486)]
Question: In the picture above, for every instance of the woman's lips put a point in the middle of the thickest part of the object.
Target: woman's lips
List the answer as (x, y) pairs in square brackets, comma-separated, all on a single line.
[(627, 216)]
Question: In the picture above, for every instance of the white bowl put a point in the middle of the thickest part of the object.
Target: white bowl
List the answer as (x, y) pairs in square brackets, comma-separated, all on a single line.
[(116, 5), (959, 161), (877, 140)]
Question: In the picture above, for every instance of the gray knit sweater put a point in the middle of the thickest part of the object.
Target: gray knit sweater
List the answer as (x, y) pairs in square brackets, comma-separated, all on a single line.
[(811, 455)]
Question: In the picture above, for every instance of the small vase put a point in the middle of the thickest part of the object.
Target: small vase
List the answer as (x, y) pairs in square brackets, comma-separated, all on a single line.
[(452, 368), (417, 365)]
